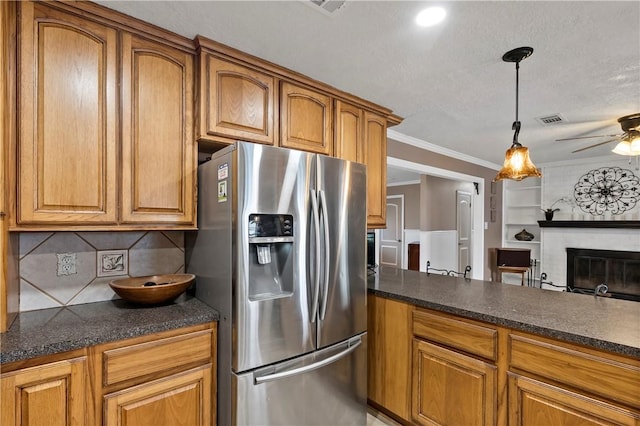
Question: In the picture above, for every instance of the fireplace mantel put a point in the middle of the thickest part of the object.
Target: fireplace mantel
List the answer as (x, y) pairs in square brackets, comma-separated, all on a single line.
[(589, 224)]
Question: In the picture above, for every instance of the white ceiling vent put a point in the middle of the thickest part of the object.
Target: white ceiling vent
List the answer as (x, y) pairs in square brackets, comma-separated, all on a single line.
[(326, 6), (548, 120)]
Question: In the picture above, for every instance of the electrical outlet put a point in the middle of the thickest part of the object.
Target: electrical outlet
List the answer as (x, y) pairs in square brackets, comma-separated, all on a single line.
[(67, 264)]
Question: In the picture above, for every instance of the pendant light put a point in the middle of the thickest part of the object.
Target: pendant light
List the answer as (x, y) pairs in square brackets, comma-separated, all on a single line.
[(517, 164)]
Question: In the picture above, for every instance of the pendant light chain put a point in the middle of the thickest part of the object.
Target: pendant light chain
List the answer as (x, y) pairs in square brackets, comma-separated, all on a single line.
[(516, 124), (517, 85)]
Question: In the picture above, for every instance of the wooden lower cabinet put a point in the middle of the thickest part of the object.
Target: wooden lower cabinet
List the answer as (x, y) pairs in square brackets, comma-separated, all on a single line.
[(48, 394), (389, 355), (449, 388), (467, 372), (532, 403), (166, 378), (178, 400)]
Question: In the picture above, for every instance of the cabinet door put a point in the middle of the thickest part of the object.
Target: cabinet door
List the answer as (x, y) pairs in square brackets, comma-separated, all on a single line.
[(375, 143), (158, 146), (536, 403), (236, 102), (181, 399), (67, 118), (305, 119), (51, 394), (389, 355), (349, 132), (449, 388)]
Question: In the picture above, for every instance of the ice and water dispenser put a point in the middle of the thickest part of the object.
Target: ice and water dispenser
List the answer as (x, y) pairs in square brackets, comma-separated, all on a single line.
[(270, 256)]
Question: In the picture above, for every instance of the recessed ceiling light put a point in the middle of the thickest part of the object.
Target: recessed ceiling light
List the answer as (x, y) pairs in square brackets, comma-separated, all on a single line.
[(430, 16)]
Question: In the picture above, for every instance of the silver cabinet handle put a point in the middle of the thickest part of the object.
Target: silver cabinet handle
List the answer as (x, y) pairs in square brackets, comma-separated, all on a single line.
[(316, 278), (351, 346), (327, 255)]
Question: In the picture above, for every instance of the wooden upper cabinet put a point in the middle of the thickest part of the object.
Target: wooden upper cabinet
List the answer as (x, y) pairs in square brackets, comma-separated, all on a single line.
[(349, 129), (305, 119), (236, 102), (158, 145), (67, 119), (375, 154)]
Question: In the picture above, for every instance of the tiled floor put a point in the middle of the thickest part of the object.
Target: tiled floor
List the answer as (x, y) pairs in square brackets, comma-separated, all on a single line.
[(374, 418)]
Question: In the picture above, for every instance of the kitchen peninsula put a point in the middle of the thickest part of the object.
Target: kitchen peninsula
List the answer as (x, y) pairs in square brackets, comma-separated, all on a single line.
[(449, 350)]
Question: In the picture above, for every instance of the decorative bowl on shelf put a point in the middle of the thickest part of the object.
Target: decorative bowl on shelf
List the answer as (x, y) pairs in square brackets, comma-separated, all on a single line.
[(524, 236), (152, 289)]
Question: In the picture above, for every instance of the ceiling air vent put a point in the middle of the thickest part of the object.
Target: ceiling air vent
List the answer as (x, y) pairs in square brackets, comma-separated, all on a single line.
[(551, 119), (328, 6)]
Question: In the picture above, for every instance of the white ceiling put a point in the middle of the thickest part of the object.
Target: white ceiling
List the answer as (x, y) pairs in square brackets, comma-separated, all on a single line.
[(448, 82)]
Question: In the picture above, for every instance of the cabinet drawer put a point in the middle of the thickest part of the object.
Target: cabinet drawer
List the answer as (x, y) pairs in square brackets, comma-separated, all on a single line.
[(471, 338), (156, 357), (609, 378)]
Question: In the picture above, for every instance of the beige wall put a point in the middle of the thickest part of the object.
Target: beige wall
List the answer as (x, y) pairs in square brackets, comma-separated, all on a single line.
[(411, 203), (438, 211), (492, 235)]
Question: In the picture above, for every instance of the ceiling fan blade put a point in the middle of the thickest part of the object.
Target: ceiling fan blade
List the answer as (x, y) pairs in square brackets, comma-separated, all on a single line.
[(593, 146), (587, 137)]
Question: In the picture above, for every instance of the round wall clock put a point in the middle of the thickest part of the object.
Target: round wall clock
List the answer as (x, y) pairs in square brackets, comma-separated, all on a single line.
[(607, 189)]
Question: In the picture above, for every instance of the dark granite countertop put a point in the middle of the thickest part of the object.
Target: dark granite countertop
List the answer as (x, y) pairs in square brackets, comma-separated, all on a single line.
[(602, 323), (56, 330)]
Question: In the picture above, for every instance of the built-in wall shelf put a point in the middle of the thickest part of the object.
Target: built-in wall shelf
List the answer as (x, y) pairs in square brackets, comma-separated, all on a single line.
[(523, 242), (589, 223)]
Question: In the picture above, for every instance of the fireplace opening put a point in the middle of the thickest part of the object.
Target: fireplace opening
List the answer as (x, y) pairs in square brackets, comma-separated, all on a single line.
[(619, 270)]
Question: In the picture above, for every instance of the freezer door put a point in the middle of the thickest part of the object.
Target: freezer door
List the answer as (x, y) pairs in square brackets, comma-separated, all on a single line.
[(327, 387), (272, 289), (342, 194)]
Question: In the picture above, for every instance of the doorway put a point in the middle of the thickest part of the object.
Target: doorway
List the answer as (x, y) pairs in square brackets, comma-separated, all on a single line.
[(464, 226), (476, 252), (392, 237)]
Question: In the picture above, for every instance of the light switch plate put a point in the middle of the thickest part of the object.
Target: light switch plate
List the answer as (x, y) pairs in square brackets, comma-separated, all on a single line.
[(112, 262)]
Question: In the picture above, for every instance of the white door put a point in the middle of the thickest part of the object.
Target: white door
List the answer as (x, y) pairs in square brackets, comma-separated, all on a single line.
[(464, 217), (391, 239)]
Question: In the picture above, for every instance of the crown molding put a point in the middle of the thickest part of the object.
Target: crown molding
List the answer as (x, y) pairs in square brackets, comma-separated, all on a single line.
[(406, 182), (419, 143)]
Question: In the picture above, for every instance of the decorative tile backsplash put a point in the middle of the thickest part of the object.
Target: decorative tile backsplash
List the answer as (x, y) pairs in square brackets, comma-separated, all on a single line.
[(70, 268)]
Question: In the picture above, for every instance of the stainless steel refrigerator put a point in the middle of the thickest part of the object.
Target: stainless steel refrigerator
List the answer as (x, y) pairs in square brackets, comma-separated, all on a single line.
[(280, 253)]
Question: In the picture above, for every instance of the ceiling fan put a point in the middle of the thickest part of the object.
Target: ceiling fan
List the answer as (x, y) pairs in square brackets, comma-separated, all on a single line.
[(628, 140)]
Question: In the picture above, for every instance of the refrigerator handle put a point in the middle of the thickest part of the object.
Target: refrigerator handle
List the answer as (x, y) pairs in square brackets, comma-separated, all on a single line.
[(327, 255), (316, 278), (351, 346)]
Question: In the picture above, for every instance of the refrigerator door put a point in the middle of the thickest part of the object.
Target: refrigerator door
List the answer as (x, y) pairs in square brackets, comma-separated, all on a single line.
[(272, 289), (326, 387), (343, 289)]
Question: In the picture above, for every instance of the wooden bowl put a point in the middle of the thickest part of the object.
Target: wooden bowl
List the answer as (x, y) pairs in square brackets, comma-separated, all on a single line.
[(152, 289)]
